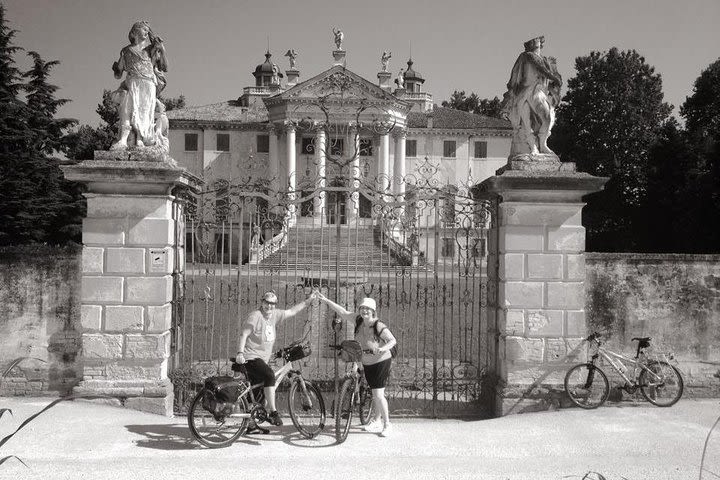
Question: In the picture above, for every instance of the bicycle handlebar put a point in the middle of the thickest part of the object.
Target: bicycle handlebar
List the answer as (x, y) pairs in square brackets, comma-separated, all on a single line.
[(339, 347)]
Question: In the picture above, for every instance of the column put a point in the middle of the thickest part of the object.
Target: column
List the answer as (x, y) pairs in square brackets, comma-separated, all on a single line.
[(384, 162), (291, 168), (538, 242), (273, 159), (130, 243), (320, 204), (399, 166), (354, 210)]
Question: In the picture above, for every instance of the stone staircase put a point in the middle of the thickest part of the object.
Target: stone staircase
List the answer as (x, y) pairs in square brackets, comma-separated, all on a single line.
[(319, 249)]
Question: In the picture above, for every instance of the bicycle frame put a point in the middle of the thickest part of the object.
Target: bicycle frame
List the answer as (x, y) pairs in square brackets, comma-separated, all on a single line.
[(280, 373), (617, 361)]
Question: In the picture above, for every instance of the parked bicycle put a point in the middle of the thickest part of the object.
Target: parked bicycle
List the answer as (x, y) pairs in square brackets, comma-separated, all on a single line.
[(354, 391), (659, 382), (223, 409)]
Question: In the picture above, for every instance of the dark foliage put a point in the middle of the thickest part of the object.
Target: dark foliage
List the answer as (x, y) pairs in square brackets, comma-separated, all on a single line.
[(473, 103)]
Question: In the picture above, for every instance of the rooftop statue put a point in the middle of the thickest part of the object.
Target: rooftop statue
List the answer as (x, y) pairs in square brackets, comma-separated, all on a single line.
[(292, 55), (400, 80), (385, 59), (533, 92), (339, 36), (144, 64)]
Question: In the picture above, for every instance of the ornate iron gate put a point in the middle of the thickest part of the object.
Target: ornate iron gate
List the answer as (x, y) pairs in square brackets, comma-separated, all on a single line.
[(420, 254)]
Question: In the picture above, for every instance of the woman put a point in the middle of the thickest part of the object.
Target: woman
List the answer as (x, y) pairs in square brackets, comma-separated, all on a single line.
[(374, 336)]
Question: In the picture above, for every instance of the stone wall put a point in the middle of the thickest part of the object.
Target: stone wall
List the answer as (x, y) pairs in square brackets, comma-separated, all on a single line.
[(39, 319), (675, 299)]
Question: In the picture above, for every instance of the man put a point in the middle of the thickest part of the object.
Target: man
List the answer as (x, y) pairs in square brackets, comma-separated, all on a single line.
[(529, 103), (257, 339)]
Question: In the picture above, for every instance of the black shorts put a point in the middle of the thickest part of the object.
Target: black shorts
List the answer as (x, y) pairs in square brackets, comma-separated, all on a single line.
[(260, 372), (377, 373)]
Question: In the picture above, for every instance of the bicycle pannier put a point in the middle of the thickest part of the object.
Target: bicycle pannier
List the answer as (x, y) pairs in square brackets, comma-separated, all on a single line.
[(222, 391)]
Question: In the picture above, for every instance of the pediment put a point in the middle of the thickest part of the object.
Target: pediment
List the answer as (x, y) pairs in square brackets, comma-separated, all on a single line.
[(335, 85)]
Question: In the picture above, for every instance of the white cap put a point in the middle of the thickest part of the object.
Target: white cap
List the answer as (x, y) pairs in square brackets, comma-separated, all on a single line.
[(269, 297), (368, 302)]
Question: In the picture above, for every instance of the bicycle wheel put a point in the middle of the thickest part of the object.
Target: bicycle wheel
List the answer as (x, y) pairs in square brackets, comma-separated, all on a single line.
[(587, 385), (217, 431), (364, 402), (662, 385), (344, 410), (307, 408)]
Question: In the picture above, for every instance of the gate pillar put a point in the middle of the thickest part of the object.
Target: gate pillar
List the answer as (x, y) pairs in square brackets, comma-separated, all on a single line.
[(129, 246), (537, 245)]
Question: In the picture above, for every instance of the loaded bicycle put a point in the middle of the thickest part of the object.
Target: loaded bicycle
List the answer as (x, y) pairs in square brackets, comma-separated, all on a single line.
[(226, 406), (354, 391), (658, 381)]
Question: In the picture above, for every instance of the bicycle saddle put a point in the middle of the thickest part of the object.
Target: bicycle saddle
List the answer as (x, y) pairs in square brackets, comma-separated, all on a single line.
[(641, 339)]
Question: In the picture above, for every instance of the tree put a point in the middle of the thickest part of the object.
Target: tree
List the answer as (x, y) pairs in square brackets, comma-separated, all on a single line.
[(14, 133), (607, 123), (701, 196), (473, 103), (36, 203), (173, 103)]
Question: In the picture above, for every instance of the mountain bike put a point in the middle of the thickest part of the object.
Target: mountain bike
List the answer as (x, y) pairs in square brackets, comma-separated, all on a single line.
[(354, 390), (659, 382), (223, 410)]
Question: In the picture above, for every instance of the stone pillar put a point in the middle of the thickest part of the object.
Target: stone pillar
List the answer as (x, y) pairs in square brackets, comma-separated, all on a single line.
[(539, 243), (384, 162), (354, 210), (399, 167), (129, 246), (291, 167), (292, 77), (320, 159), (273, 159), (384, 81)]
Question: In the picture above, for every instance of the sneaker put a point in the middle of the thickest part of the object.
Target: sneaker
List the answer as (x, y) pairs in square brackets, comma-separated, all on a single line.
[(386, 431), (274, 419), (375, 426)]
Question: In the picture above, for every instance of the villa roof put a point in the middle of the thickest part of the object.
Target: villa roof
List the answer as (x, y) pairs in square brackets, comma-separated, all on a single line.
[(449, 118), (228, 111)]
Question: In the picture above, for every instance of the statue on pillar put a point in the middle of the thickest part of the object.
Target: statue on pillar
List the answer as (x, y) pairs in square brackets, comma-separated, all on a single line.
[(339, 36), (292, 55), (533, 92), (385, 59), (144, 64)]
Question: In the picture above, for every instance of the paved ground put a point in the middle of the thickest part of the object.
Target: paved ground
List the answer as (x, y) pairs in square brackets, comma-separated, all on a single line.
[(80, 440)]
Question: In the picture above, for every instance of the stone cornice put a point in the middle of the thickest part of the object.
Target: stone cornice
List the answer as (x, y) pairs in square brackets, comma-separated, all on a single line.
[(473, 132)]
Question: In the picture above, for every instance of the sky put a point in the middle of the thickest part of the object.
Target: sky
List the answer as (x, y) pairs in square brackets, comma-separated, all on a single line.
[(214, 45)]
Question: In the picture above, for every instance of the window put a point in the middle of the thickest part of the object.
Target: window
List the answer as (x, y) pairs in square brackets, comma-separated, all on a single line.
[(449, 148), (365, 210), (480, 150), (263, 144), (191, 142), (447, 248), (308, 146), (223, 142), (447, 214), (337, 147), (366, 147), (478, 248), (411, 148)]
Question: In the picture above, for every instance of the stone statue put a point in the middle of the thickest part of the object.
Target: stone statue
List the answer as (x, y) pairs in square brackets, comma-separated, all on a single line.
[(292, 55), (533, 92), (275, 79), (400, 80), (385, 59), (144, 64), (338, 37)]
